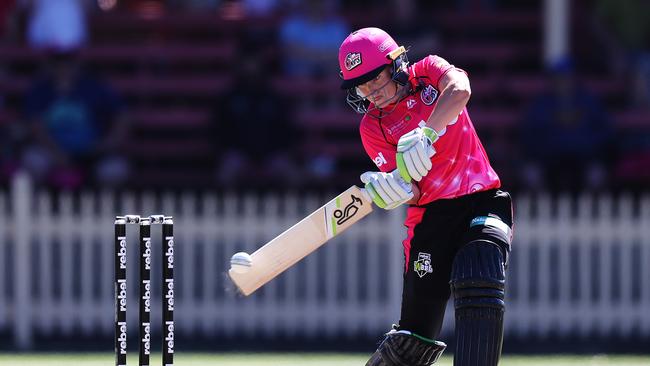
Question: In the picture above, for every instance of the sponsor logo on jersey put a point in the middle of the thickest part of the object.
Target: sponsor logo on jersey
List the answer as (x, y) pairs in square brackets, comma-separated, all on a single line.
[(380, 160), (422, 266), (399, 127), (429, 94), (352, 60)]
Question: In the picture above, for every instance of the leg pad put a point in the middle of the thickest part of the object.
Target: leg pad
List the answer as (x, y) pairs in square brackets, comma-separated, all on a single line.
[(402, 348), (478, 282)]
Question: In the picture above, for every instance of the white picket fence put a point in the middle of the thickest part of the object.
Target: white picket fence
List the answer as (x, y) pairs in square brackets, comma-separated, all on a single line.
[(576, 267)]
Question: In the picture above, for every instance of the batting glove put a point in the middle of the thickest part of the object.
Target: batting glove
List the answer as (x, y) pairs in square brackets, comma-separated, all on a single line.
[(414, 152), (387, 190)]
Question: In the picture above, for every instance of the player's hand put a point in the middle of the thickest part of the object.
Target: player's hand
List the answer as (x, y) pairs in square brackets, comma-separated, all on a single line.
[(387, 190), (414, 152)]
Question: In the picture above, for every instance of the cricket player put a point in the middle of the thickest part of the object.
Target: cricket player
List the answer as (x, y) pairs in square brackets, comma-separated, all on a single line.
[(417, 130)]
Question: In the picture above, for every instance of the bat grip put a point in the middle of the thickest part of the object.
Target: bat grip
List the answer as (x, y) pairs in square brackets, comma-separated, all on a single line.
[(366, 195)]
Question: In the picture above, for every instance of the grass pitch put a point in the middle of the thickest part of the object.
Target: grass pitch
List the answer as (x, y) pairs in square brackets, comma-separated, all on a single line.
[(311, 359)]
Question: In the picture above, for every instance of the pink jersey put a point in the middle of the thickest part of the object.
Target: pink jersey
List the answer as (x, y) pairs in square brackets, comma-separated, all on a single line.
[(460, 165)]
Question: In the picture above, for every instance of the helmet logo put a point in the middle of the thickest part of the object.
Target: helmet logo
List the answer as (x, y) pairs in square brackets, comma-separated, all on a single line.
[(352, 60), (429, 95), (384, 46)]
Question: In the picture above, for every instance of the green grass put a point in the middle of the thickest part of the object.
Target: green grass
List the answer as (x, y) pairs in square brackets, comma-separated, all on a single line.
[(263, 359)]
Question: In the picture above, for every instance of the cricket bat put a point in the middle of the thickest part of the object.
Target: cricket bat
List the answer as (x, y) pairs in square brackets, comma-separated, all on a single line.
[(301, 239)]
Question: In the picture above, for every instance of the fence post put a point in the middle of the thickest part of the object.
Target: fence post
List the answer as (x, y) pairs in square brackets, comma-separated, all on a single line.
[(397, 235), (21, 191)]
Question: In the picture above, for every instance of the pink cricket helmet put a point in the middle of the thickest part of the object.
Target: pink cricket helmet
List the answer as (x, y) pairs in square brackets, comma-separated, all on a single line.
[(364, 54)]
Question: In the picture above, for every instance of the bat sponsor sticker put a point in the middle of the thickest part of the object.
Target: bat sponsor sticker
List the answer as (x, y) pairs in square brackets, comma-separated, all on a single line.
[(337, 215)]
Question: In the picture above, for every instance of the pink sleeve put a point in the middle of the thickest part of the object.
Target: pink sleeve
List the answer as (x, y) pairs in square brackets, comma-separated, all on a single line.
[(380, 151), (435, 67)]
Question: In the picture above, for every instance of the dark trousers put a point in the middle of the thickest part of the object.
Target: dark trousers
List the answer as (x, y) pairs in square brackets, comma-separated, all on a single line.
[(436, 231)]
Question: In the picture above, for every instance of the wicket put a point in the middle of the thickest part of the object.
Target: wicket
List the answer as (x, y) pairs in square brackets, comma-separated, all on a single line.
[(144, 294)]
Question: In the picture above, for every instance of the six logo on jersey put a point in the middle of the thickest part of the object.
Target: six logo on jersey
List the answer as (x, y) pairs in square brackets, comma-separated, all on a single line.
[(429, 94)]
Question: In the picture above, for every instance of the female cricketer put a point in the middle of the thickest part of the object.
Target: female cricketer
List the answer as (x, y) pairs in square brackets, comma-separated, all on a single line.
[(417, 130)]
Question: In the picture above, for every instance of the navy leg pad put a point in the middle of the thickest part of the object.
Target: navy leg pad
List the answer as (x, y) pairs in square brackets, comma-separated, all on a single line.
[(478, 284), (478, 275)]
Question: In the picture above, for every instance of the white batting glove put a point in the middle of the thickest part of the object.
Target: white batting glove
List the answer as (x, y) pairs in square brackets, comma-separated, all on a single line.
[(414, 152), (387, 190)]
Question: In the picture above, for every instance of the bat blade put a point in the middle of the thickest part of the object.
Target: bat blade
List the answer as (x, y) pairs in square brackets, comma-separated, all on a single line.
[(303, 238)]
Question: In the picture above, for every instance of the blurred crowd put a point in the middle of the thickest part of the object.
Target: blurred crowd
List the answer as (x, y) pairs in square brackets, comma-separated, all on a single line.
[(71, 127)]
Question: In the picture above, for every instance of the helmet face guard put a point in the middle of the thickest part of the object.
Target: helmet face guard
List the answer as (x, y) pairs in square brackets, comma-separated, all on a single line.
[(399, 75), (358, 103), (363, 55)]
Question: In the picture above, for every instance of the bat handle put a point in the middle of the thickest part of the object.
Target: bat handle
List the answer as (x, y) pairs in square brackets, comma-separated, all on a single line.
[(366, 195)]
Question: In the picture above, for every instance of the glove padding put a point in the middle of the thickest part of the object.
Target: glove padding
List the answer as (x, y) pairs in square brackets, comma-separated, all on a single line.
[(414, 152), (387, 190)]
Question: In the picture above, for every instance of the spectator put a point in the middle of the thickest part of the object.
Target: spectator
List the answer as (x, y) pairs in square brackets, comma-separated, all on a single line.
[(260, 8), (203, 6), (7, 163), (566, 136), (420, 37), (77, 127), (59, 24), (631, 172), (253, 130), (254, 8), (310, 37), (477, 6), (642, 86), (7, 15), (625, 32), (10, 137)]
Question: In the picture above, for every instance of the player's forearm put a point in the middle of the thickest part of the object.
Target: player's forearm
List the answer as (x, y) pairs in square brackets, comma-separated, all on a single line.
[(451, 102)]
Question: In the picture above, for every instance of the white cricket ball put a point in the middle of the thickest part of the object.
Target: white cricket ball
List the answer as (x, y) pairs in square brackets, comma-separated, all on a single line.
[(241, 262)]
